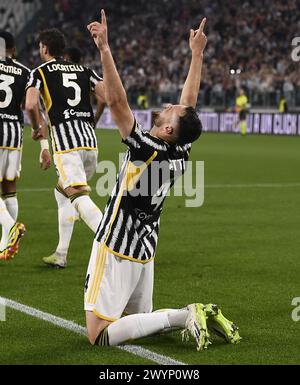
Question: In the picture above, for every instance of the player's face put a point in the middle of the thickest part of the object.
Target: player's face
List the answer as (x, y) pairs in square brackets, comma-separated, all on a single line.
[(170, 115), (167, 122)]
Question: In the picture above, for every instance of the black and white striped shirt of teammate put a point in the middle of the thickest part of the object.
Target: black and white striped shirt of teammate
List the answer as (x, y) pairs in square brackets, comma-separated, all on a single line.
[(131, 220), (13, 79), (65, 89)]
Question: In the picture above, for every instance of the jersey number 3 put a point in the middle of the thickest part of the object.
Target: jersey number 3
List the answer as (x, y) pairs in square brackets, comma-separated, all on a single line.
[(69, 83), (7, 81)]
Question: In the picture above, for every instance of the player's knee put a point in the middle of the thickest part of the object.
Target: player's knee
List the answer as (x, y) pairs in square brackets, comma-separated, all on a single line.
[(98, 336), (92, 338), (9, 187), (77, 191)]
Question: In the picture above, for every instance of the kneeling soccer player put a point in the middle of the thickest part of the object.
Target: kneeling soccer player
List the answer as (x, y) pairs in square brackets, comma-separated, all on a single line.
[(120, 273)]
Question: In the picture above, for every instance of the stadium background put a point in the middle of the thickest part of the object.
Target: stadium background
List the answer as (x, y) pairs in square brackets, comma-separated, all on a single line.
[(241, 248)]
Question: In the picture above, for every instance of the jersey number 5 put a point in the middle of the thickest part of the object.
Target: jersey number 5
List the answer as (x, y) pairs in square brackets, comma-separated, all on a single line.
[(7, 81), (68, 82)]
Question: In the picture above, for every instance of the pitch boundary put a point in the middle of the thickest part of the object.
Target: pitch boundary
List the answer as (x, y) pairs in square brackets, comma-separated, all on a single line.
[(78, 329)]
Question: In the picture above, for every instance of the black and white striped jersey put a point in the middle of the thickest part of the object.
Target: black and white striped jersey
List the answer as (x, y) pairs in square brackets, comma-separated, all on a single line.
[(13, 79), (66, 92), (131, 219), (73, 135)]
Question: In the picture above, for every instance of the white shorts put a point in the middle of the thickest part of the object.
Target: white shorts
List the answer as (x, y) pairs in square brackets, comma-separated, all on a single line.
[(10, 164), (116, 286), (76, 168)]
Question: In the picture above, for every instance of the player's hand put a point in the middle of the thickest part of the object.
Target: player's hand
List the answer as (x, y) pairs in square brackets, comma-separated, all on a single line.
[(99, 32), (45, 159), (198, 39), (37, 135), (42, 131)]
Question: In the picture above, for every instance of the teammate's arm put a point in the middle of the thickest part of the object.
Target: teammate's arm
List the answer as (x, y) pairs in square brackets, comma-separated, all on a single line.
[(39, 125), (100, 99), (32, 107), (115, 95), (191, 87)]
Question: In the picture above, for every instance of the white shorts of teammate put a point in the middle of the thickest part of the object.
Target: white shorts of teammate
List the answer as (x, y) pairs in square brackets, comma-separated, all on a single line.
[(76, 168), (10, 164), (116, 286)]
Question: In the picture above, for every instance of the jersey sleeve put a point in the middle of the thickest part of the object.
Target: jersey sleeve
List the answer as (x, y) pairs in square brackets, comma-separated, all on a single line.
[(94, 78), (35, 80), (140, 144), (186, 149)]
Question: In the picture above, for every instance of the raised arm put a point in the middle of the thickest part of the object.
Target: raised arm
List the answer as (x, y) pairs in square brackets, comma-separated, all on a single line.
[(191, 87), (115, 95), (100, 99)]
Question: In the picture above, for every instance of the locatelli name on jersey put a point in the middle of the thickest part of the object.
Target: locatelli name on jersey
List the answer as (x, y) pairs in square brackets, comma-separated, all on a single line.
[(65, 68)]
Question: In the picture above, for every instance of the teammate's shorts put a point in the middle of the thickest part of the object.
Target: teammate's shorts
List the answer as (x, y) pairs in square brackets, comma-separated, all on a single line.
[(76, 168), (116, 286), (10, 164)]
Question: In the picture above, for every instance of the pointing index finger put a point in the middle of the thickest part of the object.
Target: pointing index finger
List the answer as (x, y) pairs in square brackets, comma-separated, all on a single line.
[(202, 25), (103, 17)]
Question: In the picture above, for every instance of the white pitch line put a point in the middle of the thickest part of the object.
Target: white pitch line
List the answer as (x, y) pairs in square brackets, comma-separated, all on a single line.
[(74, 327), (212, 186)]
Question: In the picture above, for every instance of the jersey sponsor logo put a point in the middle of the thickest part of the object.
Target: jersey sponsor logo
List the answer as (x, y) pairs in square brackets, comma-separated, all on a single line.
[(142, 216), (9, 117), (10, 69), (76, 114), (65, 68)]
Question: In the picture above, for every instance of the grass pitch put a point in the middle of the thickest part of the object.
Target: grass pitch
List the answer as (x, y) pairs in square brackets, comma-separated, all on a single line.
[(239, 250)]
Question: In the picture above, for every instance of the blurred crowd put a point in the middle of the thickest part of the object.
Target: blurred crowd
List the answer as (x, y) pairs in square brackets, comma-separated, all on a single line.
[(249, 43)]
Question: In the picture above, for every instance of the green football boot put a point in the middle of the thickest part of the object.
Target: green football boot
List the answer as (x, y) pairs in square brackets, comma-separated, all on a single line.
[(220, 325), (196, 326)]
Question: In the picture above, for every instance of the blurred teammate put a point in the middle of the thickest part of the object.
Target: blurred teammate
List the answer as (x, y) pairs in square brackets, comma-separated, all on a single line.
[(120, 272), (67, 214), (65, 89), (13, 79), (241, 107)]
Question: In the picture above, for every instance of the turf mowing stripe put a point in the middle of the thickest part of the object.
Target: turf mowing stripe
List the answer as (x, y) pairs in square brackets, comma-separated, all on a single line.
[(216, 186), (254, 185), (72, 326)]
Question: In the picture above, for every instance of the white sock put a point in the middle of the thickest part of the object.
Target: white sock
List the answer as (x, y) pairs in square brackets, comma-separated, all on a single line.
[(12, 207), (88, 211), (7, 223), (137, 326), (177, 318), (66, 220)]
